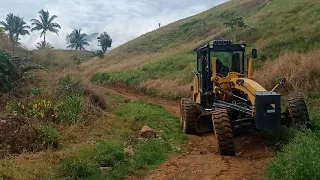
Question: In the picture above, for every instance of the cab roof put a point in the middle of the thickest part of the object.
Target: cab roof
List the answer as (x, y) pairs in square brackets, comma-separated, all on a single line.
[(222, 45)]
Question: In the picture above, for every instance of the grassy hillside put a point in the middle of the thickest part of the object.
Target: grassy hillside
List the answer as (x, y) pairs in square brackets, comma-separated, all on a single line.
[(274, 27), (287, 34)]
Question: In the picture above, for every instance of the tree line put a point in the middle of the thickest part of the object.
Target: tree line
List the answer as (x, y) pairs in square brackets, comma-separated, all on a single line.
[(15, 27)]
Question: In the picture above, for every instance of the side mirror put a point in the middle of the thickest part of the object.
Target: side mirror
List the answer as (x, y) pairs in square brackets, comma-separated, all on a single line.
[(282, 81), (254, 53)]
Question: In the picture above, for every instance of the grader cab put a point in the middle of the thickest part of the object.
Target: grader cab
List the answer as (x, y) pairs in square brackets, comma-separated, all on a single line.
[(226, 100)]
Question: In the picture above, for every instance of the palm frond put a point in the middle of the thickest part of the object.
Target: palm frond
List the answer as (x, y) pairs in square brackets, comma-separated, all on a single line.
[(55, 25), (85, 43), (54, 31), (52, 18), (35, 21), (24, 32)]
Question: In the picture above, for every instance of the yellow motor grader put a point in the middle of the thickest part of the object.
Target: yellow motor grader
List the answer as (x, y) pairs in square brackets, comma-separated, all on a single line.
[(226, 100)]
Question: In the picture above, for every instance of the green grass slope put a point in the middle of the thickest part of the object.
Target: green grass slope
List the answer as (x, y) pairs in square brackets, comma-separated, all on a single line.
[(274, 27)]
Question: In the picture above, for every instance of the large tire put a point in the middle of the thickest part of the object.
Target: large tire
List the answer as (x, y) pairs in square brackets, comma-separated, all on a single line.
[(297, 112), (223, 131), (188, 110)]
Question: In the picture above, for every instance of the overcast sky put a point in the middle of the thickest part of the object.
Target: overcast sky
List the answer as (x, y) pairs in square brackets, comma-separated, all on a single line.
[(122, 19)]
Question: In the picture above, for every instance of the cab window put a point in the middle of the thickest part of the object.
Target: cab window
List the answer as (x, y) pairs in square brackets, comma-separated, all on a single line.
[(228, 61)]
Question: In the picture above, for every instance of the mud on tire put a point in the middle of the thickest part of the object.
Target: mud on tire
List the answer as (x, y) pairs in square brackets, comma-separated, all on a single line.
[(297, 112), (188, 110), (223, 131)]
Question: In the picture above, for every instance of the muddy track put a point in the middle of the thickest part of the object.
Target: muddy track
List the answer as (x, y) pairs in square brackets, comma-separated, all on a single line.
[(200, 159)]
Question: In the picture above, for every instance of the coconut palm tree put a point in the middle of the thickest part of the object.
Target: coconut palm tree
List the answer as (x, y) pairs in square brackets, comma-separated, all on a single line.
[(77, 40), (8, 26), (45, 24), (15, 26), (21, 28)]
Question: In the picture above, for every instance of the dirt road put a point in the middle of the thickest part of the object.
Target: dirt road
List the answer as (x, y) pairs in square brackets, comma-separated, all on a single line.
[(200, 159)]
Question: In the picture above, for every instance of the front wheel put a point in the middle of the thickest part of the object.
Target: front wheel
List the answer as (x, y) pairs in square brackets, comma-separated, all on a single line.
[(223, 130), (297, 112)]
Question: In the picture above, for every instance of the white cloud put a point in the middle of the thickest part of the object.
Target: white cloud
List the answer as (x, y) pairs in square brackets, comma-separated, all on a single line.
[(122, 19)]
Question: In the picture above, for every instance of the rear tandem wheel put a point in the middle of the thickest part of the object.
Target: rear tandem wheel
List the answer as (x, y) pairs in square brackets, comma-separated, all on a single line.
[(188, 111), (297, 112)]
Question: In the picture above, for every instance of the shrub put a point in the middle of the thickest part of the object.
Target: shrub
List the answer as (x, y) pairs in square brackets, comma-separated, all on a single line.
[(151, 153), (235, 22), (278, 140), (103, 154), (76, 169), (9, 71), (35, 91), (110, 154), (48, 136), (101, 77), (106, 154), (32, 67), (16, 108), (99, 54), (71, 109), (69, 87), (42, 109)]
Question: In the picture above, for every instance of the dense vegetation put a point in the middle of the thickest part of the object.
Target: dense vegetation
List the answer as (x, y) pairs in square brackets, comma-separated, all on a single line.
[(9, 71)]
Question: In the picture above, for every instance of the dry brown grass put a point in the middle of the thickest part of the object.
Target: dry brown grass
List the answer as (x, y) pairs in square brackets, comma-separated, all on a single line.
[(5, 43), (167, 88), (301, 70), (59, 58)]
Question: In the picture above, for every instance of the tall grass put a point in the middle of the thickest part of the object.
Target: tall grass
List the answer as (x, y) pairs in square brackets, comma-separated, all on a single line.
[(60, 58), (71, 110), (301, 70)]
